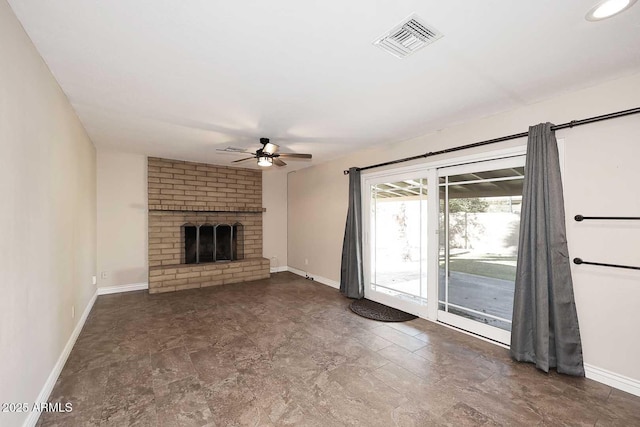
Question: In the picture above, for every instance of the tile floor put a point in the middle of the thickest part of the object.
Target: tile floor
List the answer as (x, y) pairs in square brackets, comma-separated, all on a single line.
[(286, 351)]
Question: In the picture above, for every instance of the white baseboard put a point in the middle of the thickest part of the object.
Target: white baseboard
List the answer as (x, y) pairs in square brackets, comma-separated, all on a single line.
[(278, 269), (43, 397), (315, 278), (612, 379), (106, 290)]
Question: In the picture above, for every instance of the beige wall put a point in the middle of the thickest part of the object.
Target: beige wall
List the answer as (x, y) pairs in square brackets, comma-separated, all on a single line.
[(47, 249), (600, 179), (317, 210), (601, 164), (274, 220), (122, 218)]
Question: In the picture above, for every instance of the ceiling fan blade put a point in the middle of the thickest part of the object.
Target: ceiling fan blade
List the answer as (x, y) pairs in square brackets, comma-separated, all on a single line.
[(242, 160), (295, 155), (278, 162), (234, 150)]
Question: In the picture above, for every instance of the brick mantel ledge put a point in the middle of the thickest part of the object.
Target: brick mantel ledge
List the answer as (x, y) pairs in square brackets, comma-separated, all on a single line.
[(182, 208)]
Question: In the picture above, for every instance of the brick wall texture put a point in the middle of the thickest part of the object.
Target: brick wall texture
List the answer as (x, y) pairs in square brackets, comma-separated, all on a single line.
[(194, 193), (189, 276), (177, 185)]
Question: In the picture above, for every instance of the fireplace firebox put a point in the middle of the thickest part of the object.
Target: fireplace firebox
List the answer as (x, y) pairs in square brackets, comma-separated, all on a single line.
[(212, 243)]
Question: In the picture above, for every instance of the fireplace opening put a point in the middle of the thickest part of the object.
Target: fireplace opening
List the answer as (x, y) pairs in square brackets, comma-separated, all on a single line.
[(211, 243), (190, 232), (206, 244), (223, 242)]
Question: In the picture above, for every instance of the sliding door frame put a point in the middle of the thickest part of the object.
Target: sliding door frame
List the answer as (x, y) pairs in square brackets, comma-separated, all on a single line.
[(367, 181), (474, 326), (429, 170)]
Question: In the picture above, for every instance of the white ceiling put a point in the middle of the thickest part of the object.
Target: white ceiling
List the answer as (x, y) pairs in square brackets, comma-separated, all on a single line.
[(180, 78)]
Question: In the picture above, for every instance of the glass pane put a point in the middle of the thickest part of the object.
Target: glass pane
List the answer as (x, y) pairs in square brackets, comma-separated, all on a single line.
[(398, 243), (478, 246), (190, 244), (223, 242), (205, 251)]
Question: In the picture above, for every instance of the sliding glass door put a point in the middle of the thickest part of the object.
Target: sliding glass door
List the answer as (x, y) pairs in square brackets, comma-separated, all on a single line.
[(479, 220), (395, 209), (441, 240)]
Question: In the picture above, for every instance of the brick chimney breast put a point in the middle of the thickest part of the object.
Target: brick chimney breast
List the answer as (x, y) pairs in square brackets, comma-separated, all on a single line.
[(197, 194)]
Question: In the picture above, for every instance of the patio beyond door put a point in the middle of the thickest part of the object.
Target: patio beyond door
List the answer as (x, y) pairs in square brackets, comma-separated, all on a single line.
[(479, 222), (395, 223)]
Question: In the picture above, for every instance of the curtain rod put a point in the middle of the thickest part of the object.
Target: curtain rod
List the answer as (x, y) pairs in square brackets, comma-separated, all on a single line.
[(581, 261), (570, 124)]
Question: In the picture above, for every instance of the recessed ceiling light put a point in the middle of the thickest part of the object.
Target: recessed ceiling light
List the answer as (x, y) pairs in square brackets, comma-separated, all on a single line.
[(607, 8)]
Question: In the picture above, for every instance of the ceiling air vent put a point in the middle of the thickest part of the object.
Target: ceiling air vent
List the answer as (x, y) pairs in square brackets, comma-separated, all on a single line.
[(407, 37)]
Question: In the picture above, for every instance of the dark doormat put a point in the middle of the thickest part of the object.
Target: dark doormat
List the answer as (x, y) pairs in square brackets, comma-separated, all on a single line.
[(376, 311)]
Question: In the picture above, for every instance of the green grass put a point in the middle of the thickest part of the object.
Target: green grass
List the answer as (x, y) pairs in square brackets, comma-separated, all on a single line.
[(481, 267)]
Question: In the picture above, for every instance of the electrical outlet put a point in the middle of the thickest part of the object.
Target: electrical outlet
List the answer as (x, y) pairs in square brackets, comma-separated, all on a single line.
[(306, 261), (103, 275), (73, 311), (94, 280)]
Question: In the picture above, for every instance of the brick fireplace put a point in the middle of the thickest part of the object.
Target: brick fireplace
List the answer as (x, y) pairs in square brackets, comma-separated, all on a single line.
[(205, 225)]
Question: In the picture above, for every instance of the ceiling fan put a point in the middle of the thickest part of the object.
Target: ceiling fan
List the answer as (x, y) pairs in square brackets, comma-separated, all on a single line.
[(267, 155)]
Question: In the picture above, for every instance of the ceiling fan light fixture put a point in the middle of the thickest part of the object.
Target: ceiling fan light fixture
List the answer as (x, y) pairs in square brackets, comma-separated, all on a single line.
[(265, 161), (608, 8), (270, 148)]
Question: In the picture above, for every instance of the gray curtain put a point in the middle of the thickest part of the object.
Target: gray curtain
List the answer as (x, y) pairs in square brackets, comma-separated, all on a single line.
[(545, 324), (351, 272)]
